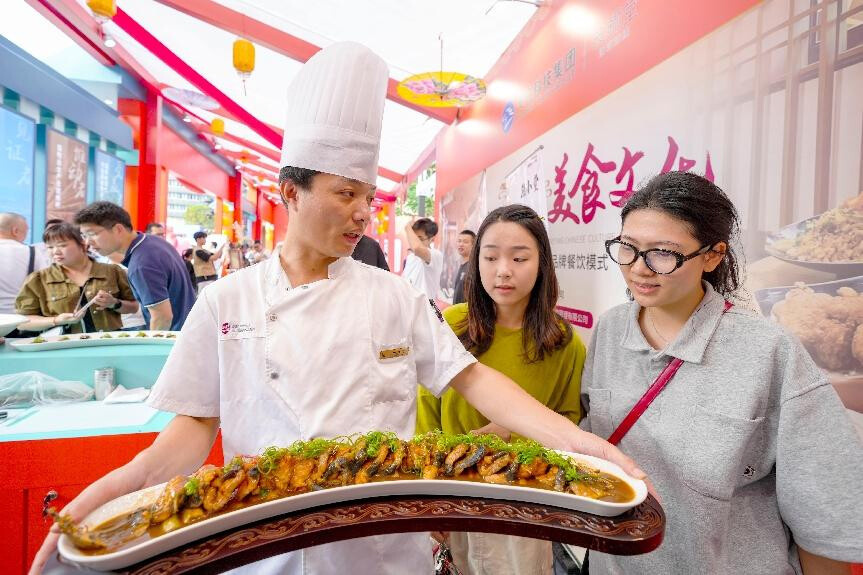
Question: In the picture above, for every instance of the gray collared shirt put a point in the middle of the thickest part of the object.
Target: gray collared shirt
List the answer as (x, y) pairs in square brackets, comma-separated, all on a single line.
[(748, 446)]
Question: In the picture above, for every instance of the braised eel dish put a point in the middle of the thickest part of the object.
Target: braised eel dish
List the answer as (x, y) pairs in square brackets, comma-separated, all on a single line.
[(330, 463)]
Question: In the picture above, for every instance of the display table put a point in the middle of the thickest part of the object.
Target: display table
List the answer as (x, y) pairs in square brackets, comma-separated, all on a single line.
[(66, 447), (639, 530), (134, 365)]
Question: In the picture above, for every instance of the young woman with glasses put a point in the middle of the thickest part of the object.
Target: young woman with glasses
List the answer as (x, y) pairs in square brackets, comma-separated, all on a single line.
[(758, 466)]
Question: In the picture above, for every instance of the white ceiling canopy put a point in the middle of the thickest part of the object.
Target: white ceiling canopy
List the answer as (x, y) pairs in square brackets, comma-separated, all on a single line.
[(406, 33), (403, 32)]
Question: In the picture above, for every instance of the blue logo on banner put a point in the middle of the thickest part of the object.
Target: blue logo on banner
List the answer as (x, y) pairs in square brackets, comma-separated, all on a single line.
[(508, 117)]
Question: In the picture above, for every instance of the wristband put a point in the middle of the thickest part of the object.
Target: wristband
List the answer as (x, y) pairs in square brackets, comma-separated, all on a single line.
[(117, 305)]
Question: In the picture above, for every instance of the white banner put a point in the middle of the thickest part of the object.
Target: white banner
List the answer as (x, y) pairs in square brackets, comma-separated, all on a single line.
[(526, 185)]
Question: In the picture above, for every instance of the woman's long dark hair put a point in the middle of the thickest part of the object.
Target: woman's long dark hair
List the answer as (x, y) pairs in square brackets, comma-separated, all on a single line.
[(543, 331), (704, 208)]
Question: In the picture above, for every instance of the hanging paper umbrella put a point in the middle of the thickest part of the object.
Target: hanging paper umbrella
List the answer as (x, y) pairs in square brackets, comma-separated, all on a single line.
[(442, 89), (190, 98)]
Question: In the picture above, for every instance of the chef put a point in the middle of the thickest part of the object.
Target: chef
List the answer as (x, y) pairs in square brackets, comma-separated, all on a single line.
[(315, 344)]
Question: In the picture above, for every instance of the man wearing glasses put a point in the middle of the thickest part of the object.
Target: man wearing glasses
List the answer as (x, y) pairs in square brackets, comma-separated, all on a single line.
[(156, 271)]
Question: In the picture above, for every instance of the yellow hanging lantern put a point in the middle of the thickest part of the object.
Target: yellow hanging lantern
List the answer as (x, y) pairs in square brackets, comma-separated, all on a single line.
[(244, 59), (103, 10), (383, 220), (217, 126)]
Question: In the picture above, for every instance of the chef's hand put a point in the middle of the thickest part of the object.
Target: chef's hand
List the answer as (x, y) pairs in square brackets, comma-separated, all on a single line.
[(584, 442), (88, 500), (104, 300), (494, 428)]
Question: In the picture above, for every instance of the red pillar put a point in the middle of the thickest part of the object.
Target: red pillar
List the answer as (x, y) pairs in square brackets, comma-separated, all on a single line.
[(149, 164), (259, 202), (235, 186)]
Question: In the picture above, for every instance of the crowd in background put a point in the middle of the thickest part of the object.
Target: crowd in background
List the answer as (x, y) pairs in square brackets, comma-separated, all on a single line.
[(97, 274)]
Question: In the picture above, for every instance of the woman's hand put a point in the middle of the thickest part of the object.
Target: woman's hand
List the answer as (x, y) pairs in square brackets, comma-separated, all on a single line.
[(104, 300), (66, 319)]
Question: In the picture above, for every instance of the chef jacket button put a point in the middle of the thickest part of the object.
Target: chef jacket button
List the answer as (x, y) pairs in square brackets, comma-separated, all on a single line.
[(272, 317), (274, 375), (305, 287)]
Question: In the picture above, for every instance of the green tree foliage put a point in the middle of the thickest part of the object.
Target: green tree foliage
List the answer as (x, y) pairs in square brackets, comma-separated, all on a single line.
[(201, 215), (410, 207)]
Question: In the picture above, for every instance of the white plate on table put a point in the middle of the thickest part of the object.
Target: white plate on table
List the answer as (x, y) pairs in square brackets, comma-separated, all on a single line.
[(9, 321), (96, 339), (408, 488)]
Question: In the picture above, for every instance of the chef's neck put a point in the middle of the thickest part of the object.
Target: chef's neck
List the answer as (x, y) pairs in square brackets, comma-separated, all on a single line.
[(303, 265)]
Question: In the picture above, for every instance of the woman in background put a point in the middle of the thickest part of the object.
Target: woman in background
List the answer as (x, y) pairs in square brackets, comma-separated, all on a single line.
[(508, 322), (54, 296)]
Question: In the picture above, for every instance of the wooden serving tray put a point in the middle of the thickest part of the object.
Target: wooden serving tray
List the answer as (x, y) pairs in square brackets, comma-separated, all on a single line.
[(639, 530)]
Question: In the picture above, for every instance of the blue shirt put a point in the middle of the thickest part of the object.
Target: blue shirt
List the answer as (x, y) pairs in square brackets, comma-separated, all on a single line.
[(157, 273)]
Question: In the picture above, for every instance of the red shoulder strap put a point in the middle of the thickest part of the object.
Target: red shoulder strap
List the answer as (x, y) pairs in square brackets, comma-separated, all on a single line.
[(652, 392)]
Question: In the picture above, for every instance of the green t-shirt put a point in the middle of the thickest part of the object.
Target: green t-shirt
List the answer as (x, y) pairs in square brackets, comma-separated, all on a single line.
[(555, 381)]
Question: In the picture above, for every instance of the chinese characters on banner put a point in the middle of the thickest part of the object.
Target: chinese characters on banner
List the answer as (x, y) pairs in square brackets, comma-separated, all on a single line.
[(581, 261), (17, 145), (110, 178), (577, 317), (526, 185), (66, 176), (579, 202)]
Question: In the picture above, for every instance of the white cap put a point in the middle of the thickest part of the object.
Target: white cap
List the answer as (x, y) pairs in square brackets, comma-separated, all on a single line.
[(335, 112)]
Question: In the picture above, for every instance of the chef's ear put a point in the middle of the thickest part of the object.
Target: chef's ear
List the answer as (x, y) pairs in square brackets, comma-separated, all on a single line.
[(289, 192)]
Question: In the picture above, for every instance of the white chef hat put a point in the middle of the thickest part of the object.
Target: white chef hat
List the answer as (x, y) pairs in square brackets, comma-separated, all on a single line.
[(335, 111)]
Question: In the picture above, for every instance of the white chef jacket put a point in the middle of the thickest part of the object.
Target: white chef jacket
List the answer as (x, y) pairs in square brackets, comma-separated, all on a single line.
[(277, 364)]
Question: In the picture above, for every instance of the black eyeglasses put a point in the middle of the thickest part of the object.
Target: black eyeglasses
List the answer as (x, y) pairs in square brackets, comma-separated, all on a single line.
[(658, 260)]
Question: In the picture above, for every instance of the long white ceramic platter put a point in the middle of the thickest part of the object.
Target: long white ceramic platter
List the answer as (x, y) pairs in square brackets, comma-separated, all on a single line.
[(408, 487), (95, 340)]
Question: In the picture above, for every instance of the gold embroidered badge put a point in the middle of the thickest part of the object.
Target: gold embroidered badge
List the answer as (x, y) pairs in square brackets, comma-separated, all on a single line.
[(392, 352)]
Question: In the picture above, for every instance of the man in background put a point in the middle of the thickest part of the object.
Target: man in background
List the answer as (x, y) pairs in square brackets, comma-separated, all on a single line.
[(17, 259), (464, 246), (424, 265), (156, 229), (156, 271), (204, 261), (369, 252), (257, 254)]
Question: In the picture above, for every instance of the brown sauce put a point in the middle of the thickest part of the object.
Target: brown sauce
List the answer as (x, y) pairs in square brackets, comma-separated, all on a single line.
[(607, 488)]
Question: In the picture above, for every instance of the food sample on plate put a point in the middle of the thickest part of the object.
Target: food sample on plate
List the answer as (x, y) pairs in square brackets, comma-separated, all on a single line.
[(835, 236), (329, 463), (829, 326)]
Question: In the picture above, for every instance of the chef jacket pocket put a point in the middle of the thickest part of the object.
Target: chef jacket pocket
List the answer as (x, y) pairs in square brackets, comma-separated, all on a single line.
[(599, 412), (721, 452), (393, 373)]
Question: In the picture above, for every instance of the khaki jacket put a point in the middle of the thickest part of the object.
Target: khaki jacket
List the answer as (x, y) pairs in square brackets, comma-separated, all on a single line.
[(49, 292)]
